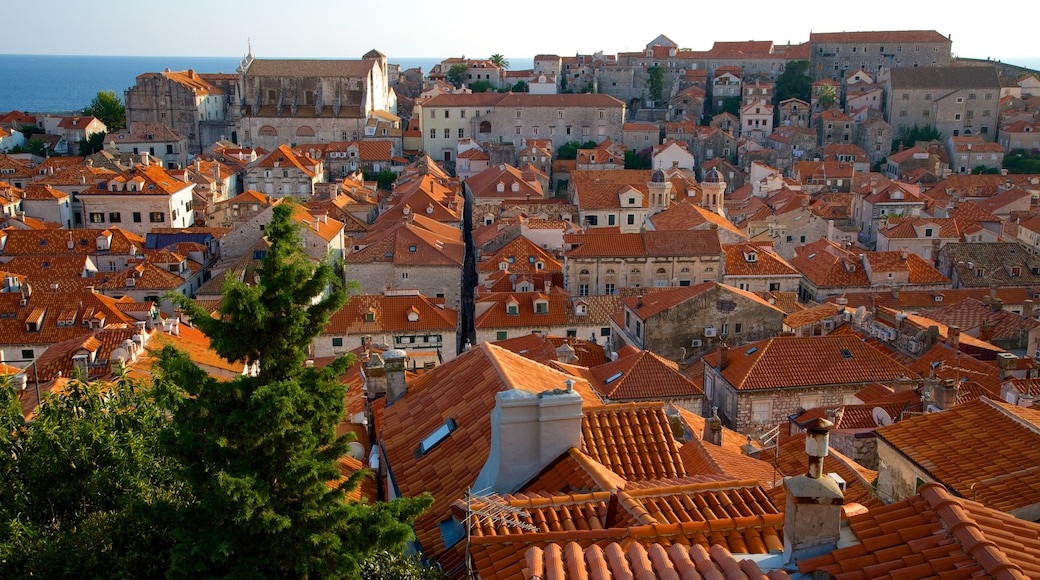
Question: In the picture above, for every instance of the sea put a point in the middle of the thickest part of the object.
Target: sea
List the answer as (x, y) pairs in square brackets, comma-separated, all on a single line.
[(66, 84)]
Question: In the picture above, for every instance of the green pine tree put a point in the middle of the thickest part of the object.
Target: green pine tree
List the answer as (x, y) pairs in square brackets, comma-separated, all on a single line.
[(259, 452)]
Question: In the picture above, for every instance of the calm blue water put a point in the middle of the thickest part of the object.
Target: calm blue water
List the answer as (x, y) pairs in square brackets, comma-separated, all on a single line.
[(45, 84)]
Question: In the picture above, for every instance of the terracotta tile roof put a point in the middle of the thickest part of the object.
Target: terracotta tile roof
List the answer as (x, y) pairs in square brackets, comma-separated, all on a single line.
[(147, 179), (390, 313), (632, 440), (522, 255), (765, 263), (827, 265), (786, 301), (600, 189), (971, 314), (801, 362), (974, 448), (447, 469), (651, 243), (139, 132), (543, 349), (809, 316), (792, 460), (55, 272), (734, 515), (656, 561), (503, 181), (492, 310), (686, 215), (642, 376), (874, 37), (434, 244), (701, 458), (284, 155), (934, 534), (59, 316)]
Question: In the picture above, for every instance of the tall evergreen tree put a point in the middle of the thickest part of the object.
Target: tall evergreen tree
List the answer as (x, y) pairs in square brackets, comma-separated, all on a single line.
[(259, 452), (80, 482)]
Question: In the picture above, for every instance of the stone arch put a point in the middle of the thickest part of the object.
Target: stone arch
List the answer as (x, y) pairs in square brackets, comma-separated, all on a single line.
[(304, 131), (268, 131), (485, 127)]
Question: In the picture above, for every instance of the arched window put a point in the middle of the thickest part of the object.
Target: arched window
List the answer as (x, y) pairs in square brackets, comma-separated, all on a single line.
[(485, 126), (272, 97), (304, 131), (268, 131)]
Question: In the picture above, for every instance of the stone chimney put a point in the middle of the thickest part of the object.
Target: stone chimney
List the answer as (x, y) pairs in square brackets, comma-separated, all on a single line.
[(895, 291), (954, 336), (723, 356), (986, 330), (528, 432), (394, 362), (812, 515), (565, 353), (1027, 308), (1006, 363), (713, 428), (375, 376), (144, 159), (945, 393)]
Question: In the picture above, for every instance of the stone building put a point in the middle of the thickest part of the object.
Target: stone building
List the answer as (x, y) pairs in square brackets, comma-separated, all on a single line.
[(757, 388), (514, 118), (194, 105), (284, 172), (834, 53), (955, 100), (601, 263), (683, 323), (155, 139), (288, 101)]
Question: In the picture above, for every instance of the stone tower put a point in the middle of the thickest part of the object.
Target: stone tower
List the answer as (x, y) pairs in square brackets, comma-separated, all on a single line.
[(660, 190), (714, 188)]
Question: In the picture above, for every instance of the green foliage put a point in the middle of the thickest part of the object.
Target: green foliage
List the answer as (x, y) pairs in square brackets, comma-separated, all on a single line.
[(795, 82), (109, 109), (731, 105), (34, 146), (384, 179), (639, 160), (826, 97), (908, 137), (569, 150), (92, 144), (457, 74), (499, 61), (521, 87), (655, 82), (1021, 161), (481, 86), (259, 452), (27, 130), (85, 484), (386, 565)]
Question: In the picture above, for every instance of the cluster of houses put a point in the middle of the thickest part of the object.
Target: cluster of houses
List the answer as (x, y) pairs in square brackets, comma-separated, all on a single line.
[(783, 350)]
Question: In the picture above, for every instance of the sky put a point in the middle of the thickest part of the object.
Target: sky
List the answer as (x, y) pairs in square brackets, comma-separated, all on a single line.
[(444, 28)]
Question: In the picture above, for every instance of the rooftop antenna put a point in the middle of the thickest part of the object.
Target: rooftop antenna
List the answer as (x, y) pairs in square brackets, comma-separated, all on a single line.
[(491, 508)]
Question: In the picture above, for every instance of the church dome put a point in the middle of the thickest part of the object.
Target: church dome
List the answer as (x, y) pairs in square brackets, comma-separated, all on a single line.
[(657, 176), (712, 176)]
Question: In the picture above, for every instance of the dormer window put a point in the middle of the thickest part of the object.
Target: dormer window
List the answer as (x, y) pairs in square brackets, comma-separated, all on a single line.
[(370, 316), (513, 309), (751, 257), (413, 314), (1016, 271), (541, 307)]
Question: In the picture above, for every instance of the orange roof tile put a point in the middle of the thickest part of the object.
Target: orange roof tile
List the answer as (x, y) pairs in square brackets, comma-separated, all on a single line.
[(973, 448), (934, 534), (632, 440), (796, 362)]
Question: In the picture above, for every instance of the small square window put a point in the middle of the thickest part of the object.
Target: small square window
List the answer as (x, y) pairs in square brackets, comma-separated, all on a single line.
[(338, 341)]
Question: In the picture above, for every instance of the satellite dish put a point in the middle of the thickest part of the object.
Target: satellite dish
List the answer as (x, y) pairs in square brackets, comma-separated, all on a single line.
[(355, 450), (881, 417)]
